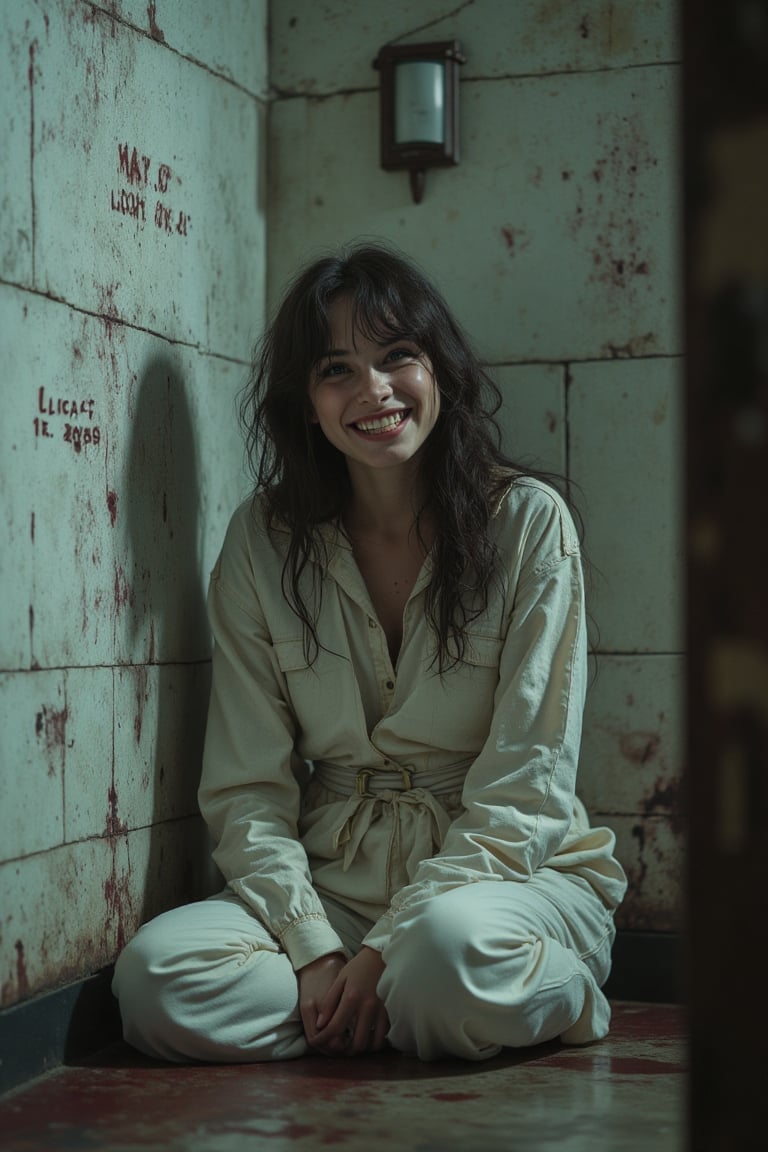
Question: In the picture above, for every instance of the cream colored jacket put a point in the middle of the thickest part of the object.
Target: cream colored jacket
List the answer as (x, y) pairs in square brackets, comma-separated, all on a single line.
[(497, 736)]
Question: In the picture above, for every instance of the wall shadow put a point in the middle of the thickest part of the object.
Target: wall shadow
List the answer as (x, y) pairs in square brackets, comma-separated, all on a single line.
[(162, 501)]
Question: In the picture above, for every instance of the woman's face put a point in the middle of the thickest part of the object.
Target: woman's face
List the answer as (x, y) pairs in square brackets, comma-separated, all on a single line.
[(376, 403)]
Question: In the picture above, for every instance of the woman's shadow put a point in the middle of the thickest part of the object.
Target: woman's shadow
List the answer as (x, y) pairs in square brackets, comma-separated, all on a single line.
[(171, 640)]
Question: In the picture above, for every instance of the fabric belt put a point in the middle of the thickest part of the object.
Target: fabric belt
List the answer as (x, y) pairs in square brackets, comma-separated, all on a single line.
[(368, 782)]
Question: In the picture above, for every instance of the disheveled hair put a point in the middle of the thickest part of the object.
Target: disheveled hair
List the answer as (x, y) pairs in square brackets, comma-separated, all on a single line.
[(304, 479)]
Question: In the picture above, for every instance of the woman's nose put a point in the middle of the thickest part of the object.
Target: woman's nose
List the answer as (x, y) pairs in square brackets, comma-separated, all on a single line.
[(375, 385)]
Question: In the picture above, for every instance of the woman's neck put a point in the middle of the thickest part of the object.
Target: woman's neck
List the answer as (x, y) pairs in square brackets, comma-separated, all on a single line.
[(384, 503)]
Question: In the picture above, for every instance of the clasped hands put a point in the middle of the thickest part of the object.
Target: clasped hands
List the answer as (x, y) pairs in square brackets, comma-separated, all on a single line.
[(340, 1011)]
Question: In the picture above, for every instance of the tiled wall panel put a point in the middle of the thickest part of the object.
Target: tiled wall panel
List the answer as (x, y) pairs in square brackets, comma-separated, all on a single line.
[(162, 195), (652, 851), (159, 729), (22, 29), (555, 238), (228, 37), (130, 521), (68, 911), (33, 735), (321, 48), (625, 436), (630, 778), (532, 415)]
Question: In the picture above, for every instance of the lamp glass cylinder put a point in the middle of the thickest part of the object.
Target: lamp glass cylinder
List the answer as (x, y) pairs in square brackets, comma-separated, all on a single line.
[(419, 102)]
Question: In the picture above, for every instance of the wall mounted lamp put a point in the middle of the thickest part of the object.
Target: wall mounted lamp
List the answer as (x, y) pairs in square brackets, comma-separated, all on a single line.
[(419, 108)]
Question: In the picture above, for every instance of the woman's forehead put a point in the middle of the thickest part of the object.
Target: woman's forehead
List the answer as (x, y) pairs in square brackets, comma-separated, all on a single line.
[(353, 321)]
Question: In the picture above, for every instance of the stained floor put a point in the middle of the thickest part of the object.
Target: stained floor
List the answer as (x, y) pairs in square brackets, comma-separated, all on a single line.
[(623, 1094)]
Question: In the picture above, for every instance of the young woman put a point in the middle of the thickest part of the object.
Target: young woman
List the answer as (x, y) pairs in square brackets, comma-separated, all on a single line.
[(399, 610)]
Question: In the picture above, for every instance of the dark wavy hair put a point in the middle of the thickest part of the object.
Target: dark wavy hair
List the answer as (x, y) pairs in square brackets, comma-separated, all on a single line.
[(304, 479)]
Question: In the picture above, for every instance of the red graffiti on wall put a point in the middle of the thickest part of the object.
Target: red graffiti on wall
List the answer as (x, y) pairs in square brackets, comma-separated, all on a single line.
[(78, 429), (134, 168)]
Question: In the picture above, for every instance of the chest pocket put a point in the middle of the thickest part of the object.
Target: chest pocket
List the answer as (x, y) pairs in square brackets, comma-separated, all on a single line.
[(323, 697), (462, 700), (480, 651)]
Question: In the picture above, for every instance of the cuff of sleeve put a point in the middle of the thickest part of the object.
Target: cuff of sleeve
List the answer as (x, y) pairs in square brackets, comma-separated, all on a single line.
[(308, 939), (379, 935)]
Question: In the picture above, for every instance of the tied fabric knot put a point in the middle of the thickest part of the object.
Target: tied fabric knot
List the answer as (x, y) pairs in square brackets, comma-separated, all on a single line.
[(425, 836)]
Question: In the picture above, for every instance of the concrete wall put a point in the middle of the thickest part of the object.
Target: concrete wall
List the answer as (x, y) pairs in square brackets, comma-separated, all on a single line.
[(556, 241), (132, 272)]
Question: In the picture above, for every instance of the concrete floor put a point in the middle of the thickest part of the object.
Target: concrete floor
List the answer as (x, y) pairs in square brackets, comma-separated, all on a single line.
[(623, 1094)]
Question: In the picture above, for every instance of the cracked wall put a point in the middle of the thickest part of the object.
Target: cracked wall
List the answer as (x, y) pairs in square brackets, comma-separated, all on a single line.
[(132, 271), (556, 241)]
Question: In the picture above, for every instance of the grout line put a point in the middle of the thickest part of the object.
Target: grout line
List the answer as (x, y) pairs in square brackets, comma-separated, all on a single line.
[(48, 295), (31, 74), (195, 815), (201, 663), (277, 93)]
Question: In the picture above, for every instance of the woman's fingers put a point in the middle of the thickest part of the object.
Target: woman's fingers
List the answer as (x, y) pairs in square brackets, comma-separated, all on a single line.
[(380, 1029)]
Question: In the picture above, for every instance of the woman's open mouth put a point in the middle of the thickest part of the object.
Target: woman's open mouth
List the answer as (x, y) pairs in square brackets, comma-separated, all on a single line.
[(382, 426)]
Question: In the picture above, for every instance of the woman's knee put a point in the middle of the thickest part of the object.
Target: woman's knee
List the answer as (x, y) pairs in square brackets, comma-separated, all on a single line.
[(445, 947), (187, 994)]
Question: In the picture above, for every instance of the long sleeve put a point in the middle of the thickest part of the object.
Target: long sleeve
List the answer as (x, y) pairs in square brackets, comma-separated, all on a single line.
[(519, 792), (249, 795)]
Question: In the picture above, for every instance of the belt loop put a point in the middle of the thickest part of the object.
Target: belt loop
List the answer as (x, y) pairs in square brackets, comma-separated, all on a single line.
[(361, 783), (407, 779)]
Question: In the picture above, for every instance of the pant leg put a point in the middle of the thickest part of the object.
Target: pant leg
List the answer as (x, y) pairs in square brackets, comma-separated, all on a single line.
[(499, 963), (207, 982)]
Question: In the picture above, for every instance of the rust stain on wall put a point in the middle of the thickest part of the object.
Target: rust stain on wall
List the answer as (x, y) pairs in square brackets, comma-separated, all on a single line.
[(123, 593), (639, 747), (515, 239), (142, 696), (155, 32), (112, 506), (17, 986), (117, 885), (666, 798), (51, 726)]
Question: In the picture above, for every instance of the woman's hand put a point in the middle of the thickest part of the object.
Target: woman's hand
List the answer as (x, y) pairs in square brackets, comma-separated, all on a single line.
[(352, 1019), (315, 980)]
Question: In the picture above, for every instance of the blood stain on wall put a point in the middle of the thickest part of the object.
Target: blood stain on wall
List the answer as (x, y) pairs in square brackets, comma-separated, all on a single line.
[(123, 593), (51, 726), (22, 980), (112, 506)]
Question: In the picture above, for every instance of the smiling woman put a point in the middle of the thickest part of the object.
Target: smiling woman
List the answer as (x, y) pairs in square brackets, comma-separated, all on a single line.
[(365, 392), (400, 607)]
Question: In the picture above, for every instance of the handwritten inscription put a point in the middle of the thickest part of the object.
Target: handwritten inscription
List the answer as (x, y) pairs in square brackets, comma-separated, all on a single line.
[(136, 171), (78, 428)]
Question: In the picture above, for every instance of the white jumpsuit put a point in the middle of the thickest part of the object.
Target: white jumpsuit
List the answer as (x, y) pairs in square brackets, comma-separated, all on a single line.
[(439, 824)]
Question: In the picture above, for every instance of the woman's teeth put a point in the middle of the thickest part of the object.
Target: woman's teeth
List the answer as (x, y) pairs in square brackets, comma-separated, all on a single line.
[(383, 424)]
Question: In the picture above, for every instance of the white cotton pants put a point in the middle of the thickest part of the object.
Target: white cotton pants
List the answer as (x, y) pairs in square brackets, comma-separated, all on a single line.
[(484, 966)]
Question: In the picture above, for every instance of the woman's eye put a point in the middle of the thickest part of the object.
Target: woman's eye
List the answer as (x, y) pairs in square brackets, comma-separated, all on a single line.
[(332, 369), (401, 354)]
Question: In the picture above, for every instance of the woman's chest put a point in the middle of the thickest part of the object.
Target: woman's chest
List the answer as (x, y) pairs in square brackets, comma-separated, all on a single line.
[(390, 574)]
